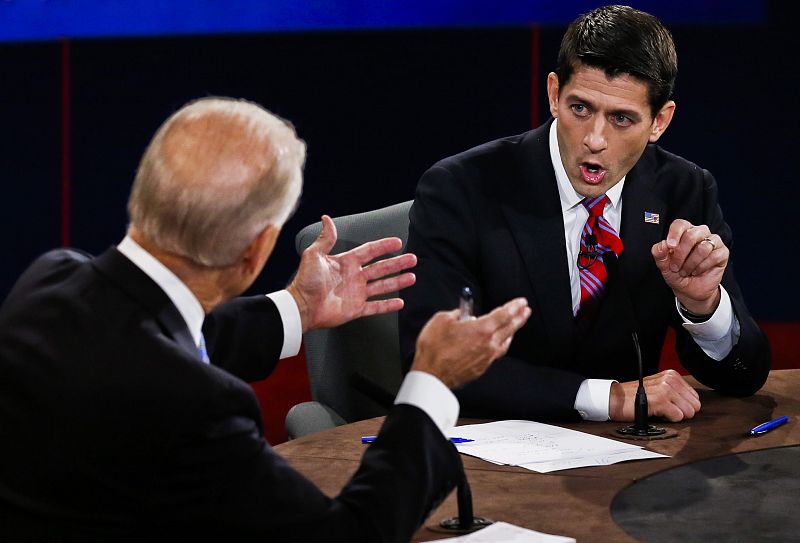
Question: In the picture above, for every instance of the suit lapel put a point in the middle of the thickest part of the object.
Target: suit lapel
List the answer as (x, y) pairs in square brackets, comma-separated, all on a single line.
[(143, 290), (639, 196), (532, 208), (638, 237)]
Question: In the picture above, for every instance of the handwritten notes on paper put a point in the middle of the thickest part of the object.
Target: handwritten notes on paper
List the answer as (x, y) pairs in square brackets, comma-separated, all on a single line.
[(543, 447)]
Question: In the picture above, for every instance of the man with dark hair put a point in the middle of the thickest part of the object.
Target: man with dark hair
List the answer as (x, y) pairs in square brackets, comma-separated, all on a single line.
[(124, 412), (620, 40), (602, 231)]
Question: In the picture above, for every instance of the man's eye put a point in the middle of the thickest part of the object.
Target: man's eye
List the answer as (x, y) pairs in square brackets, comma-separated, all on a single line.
[(621, 120), (580, 110)]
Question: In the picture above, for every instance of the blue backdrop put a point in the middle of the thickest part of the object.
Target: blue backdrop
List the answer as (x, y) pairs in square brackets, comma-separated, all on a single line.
[(52, 19)]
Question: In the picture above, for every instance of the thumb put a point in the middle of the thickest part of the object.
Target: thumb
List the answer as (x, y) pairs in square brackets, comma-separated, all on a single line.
[(327, 237)]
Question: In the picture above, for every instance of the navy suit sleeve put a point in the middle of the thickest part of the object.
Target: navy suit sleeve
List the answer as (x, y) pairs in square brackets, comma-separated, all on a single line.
[(747, 366), (403, 475), (245, 337)]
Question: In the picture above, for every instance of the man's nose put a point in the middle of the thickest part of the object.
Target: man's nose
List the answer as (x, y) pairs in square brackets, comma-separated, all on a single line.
[(595, 139)]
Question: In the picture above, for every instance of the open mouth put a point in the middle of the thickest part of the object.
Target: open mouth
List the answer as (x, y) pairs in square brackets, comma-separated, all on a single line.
[(592, 173)]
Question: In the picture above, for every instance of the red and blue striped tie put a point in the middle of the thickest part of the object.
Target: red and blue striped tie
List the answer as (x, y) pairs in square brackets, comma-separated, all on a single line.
[(597, 237)]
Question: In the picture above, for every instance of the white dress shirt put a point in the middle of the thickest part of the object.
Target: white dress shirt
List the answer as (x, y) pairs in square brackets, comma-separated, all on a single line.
[(420, 389), (716, 336)]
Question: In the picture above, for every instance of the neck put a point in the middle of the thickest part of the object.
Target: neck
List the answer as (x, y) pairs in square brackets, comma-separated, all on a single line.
[(207, 284)]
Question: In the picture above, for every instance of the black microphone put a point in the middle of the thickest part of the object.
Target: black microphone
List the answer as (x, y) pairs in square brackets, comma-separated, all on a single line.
[(466, 521), (640, 429), (587, 258)]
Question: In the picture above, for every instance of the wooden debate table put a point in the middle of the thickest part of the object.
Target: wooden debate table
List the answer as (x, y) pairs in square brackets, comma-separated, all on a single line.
[(574, 502)]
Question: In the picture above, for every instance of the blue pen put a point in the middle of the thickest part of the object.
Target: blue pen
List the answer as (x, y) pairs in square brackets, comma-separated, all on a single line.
[(370, 439), (767, 426)]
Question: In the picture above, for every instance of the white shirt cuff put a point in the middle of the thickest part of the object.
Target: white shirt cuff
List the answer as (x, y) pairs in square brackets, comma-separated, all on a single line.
[(290, 317), (425, 391), (591, 402), (718, 334)]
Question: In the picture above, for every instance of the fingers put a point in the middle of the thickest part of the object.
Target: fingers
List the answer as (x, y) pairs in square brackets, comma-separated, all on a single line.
[(709, 253), (390, 284), (363, 253), (680, 407), (379, 307), (503, 322), (689, 250), (676, 230), (681, 239), (389, 266), (504, 335), (459, 351), (500, 316), (510, 317), (670, 396), (373, 249), (327, 237)]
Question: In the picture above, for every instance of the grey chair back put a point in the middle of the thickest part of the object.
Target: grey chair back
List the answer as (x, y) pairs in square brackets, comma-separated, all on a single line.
[(354, 369)]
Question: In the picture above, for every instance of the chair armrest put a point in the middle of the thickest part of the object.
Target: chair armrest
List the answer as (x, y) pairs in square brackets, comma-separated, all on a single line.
[(309, 417)]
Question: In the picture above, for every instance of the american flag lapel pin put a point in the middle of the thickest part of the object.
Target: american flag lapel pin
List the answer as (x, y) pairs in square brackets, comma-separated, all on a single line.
[(651, 217)]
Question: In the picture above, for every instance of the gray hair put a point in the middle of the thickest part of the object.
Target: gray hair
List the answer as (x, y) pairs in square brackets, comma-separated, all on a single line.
[(215, 174)]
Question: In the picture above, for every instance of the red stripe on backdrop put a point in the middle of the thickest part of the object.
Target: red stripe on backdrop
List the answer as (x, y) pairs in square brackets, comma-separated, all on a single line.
[(66, 149), (288, 385), (782, 338), (536, 85)]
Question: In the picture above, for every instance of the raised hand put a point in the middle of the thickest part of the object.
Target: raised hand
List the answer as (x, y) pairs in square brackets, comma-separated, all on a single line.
[(333, 289), (692, 261), (459, 351)]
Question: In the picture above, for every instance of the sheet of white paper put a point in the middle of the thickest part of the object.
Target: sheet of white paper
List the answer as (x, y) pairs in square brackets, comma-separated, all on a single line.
[(521, 442), (502, 532), (570, 463)]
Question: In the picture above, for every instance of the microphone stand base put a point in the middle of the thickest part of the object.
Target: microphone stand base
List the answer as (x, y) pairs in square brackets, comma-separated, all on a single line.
[(452, 525), (648, 433)]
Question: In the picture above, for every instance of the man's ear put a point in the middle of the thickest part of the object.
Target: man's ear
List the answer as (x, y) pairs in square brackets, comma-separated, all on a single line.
[(552, 93), (661, 121), (257, 253)]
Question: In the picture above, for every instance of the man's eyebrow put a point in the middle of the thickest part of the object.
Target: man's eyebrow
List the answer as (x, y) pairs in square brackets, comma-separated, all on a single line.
[(572, 97)]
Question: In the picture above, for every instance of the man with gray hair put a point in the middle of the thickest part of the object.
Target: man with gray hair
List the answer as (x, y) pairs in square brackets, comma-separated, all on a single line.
[(125, 412)]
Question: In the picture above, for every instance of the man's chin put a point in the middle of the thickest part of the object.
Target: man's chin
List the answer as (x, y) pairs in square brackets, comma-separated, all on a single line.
[(590, 191)]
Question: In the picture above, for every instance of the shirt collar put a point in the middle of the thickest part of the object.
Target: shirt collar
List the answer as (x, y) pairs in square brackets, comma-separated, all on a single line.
[(188, 305), (566, 193)]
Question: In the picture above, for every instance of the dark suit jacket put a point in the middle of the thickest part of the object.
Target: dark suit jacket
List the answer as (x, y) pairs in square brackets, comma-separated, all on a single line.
[(112, 429), (490, 218)]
